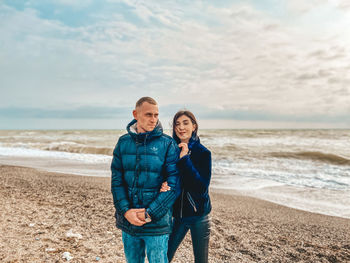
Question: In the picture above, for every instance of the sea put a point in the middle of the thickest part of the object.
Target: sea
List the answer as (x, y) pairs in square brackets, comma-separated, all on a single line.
[(303, 169)]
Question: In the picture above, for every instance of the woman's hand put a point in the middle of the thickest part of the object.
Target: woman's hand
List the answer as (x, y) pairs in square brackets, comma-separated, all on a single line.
[(184, 149), (165, 187)]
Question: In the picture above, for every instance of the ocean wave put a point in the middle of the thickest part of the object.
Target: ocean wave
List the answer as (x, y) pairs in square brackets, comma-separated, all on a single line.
[(316, 156), (76, 148), (54, 155), (63, 146)]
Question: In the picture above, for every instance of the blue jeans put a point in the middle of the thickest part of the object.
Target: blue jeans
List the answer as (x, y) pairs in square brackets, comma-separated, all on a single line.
[(156, 248), (200, 232)]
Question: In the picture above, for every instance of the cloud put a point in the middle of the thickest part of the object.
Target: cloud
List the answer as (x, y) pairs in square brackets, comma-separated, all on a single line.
[(73, 113), (344, 5), (75, 3), (300, 6), (239, 57)]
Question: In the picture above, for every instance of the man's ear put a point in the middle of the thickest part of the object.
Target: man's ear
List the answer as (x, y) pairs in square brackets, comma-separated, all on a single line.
[(134, 113)]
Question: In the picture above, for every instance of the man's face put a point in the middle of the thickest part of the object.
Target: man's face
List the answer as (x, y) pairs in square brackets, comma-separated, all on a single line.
[(146, 116)]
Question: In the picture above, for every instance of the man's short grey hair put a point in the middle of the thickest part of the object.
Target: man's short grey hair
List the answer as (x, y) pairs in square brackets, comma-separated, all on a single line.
[(145, 99)]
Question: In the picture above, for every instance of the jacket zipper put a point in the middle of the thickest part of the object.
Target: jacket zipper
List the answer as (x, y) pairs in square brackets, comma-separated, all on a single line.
[(145, 152), (182, 202), (189, 197), (138, 159)]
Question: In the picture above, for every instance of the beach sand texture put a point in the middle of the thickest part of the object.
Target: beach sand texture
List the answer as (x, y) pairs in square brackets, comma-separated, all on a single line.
[(46, 214)]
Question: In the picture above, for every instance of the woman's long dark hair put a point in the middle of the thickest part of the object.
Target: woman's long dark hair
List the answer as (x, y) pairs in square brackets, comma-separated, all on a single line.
[(189, 115)]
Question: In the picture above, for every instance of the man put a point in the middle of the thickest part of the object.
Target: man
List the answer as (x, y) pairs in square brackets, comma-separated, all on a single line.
[(143, 159)]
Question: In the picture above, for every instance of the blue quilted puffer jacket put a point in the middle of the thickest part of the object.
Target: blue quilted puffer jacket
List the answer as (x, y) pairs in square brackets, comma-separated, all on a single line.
[(141, 163)]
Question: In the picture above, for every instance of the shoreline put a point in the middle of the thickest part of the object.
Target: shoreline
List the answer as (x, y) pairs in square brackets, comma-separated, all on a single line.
[(305, 199), (45, 214), (264, 197)]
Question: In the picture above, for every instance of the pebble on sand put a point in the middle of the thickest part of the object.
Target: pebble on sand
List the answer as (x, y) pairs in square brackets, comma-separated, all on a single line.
[(74, 235), (67, 256)]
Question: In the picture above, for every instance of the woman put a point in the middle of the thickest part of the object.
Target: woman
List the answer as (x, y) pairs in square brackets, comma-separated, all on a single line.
[(192, 208)]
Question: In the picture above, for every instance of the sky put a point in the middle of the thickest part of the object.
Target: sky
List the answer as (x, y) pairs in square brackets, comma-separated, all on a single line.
[(249, 64)]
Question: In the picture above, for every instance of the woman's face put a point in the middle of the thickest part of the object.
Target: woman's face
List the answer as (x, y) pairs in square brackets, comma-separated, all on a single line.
[(184, 128)]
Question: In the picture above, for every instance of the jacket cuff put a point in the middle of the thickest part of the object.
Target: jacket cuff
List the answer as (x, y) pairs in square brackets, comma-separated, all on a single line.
[(150, 212), (183, 160), (124, 210)]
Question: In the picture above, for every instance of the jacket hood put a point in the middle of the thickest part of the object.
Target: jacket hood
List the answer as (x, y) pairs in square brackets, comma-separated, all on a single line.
[(144, 136)]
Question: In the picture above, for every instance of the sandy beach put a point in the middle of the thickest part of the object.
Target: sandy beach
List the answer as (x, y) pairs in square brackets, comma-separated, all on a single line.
[(45, 214)]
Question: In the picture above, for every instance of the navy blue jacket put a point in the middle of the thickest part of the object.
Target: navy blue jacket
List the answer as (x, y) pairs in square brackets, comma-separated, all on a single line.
[(195, 170), (141, 163)]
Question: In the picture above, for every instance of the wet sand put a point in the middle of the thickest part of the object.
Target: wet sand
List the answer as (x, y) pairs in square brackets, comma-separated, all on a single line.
[(43, 215)]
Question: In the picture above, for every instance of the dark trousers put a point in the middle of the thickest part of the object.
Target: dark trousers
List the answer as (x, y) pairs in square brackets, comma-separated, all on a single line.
[(200, 232)]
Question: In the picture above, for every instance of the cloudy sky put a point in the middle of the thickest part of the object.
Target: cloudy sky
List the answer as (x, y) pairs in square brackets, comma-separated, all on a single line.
[(235, 64)]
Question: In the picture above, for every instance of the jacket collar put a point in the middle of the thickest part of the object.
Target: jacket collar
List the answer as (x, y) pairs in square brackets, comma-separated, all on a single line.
[(144, 136), (193, 140)]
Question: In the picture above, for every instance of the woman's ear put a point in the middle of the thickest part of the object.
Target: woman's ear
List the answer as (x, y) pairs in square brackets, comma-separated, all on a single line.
[(194, 127)]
